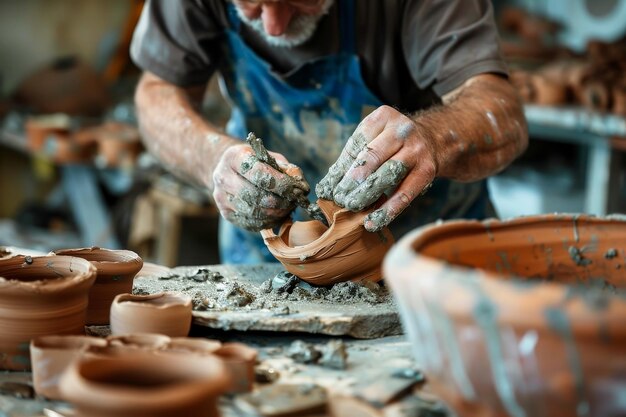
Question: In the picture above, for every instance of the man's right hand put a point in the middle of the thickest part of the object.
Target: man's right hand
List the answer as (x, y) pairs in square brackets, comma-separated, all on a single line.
[(253, 195)]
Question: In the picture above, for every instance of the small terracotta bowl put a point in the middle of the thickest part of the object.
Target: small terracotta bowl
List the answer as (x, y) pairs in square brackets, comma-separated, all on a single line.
[(138, 385), (240, 360), (40, 296), (525, 317), (51, 355), (345, 251), (167, 313), (116, 270)]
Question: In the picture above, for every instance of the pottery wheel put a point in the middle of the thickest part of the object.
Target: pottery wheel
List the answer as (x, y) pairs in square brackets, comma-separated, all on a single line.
[(241, 297)]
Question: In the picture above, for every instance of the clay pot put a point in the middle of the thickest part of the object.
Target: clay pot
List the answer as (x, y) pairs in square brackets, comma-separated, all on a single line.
[(240, 360), (116, 270), (343, 252), (167, 313), (517, 318), (197, 346), (51, 355), (139, 385), (40, 296)]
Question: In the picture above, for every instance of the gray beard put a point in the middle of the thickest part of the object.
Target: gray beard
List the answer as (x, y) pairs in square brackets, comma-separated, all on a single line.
[(300, 28)]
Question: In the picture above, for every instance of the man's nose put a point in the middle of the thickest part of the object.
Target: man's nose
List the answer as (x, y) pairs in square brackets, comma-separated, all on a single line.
[(276, 17)]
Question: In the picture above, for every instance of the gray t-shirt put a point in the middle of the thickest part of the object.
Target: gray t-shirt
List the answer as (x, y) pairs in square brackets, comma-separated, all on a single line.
[(411, 51)]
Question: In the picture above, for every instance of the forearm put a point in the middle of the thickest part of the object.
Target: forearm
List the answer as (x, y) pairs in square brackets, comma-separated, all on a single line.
[(477, 131), (174, 131)]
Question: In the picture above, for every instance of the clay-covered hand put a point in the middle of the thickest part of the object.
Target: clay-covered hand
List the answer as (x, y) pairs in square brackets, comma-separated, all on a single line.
[(387, 153), (253, 195)]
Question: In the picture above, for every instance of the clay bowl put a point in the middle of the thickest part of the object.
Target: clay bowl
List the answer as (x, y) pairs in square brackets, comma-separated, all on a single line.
[(167, 313), (145, 386), (525, 317), (239, 360), (51, 355), (345, 251), (116, 270), (40, 296)]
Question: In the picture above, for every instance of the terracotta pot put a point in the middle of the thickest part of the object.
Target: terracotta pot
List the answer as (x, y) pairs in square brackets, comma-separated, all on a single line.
[(116, 270), (517, 318), (51, 355), (167, 313), (240, 360), (40, 296), (188, 345), (344, 252), (145, 386)]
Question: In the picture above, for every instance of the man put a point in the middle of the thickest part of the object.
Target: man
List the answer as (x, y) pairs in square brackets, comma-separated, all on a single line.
[(407, 98)]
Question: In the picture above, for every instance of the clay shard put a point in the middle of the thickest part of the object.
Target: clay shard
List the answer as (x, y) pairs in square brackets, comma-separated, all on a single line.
[(344, 251)]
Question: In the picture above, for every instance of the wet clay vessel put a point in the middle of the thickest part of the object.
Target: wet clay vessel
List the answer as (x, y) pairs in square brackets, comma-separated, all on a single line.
[(51, 355), (40, 296), (167, 313), (345, 251), (525, 317), (239, 360), (137, 385), (116, 270)]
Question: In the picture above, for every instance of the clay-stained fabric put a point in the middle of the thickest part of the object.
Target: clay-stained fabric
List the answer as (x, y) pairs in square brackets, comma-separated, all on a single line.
[(411, 51)]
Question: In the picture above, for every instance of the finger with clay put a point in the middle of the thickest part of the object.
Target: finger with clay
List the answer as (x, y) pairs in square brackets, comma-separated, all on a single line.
[(253, 195)]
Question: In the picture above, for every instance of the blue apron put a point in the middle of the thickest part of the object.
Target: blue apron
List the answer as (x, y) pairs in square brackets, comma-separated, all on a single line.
[(308, 115)]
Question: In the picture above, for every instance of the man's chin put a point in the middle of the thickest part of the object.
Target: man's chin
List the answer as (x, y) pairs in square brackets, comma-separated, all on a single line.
[(300, 30)]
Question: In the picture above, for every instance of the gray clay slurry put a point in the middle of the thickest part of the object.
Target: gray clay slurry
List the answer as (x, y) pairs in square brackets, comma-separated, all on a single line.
[(247, 297)]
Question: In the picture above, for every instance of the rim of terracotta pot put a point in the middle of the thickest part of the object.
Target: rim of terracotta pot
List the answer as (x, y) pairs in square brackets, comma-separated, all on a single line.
[(140, 340), (405, 264), (17, 274), (125, 261), (190, 372), (194, 345), (69, 342), (157, 301)]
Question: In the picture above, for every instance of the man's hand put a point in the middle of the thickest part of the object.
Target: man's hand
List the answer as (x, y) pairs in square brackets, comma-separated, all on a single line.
[(253, 195), (387, 150)]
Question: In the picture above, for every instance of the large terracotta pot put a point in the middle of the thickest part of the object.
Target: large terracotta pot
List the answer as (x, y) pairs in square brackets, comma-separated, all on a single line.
[(51, 355), (116, 270), (137, 385), (40, 296), (166, 313), (345, 251), (525, 317)]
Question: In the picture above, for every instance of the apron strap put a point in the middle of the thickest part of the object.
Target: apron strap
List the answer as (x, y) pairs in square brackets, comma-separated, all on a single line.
[(346, 26)]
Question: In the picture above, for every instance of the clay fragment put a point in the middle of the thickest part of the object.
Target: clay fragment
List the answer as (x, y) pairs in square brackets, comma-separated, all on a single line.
[(343, 252)]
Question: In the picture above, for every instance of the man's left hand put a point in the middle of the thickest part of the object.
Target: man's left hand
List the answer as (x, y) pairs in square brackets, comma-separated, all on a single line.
[(387, 152)]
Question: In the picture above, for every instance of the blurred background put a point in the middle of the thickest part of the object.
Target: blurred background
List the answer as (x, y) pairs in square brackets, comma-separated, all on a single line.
[(73, 171)]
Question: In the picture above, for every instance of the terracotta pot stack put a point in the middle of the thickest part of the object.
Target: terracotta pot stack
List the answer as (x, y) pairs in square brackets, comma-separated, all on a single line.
[(517, 318), (40, 296), (322, 255)]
